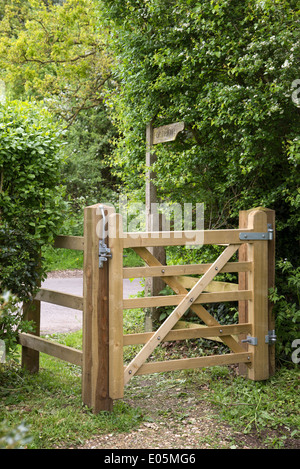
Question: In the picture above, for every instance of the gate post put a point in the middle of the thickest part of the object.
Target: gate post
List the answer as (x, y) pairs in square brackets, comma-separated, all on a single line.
[(95, 369), (243, 281), (31, 358), (116, 362), (258, 306)]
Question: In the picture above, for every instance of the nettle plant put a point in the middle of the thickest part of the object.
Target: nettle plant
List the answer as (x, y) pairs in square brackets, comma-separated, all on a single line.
[(31, 204)]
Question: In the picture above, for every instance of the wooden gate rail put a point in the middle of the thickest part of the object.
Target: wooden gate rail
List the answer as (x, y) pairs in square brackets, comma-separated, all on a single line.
[(33, 344)]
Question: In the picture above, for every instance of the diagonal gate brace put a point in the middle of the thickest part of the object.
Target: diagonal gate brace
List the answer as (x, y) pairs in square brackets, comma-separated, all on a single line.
[(198, 309), (178, 312)]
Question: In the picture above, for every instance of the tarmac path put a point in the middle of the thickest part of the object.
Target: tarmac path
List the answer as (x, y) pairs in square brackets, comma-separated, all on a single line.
[(58, 319)]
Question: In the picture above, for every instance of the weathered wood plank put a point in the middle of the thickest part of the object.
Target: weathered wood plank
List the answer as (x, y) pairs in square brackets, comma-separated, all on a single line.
[(189, 333), (176, 270), (192, 363), (167, 133), (69, 242), (172, 300), (62, 352), (59, 298)]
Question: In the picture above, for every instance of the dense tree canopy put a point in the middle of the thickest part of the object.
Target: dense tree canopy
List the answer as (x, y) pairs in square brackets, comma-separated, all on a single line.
[(55, 52), (226, 69)]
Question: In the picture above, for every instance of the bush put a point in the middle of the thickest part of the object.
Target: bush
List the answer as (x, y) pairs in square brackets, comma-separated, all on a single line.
[(20, 262), (31, 205), (11, 323), (286, 298), (31, 194)]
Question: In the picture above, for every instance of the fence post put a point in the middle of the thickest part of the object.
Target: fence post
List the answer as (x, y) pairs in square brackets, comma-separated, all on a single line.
[(271, 284), (95, 370), (243, 284), (243, 281), (32, 312), (258, 306), (31, 358)]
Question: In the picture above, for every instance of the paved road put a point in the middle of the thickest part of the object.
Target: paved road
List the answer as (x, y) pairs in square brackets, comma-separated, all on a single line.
[(60, 319)]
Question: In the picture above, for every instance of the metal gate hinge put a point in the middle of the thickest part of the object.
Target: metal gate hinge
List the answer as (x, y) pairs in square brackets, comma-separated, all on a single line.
[(258, 236), (250, 340), (271, 337)]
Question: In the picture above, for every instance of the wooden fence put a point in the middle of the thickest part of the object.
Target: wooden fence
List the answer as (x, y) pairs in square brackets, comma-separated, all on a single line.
[(103, 372)]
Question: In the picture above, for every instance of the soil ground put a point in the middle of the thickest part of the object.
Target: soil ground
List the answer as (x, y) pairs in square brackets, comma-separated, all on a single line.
[(179, 417)]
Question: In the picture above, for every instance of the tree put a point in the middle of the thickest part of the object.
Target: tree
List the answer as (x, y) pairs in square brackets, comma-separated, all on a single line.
[(54, 52), (87, 174), (226, 69)]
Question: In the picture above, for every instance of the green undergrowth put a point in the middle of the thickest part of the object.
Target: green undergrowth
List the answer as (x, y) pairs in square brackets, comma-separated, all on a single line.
[(45, 410), (68, 259)]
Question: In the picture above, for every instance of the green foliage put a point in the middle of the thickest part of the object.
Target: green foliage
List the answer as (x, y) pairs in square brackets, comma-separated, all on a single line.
[(49, 404), (86, 173), (54, 53), (30, 189), (11, 323), (226, 70), (31, 206), (15, 438), (20, 269), (286, 299), (54, 50), (259, 406)]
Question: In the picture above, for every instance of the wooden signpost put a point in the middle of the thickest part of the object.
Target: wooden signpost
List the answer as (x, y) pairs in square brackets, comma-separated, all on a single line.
[(165, 133)]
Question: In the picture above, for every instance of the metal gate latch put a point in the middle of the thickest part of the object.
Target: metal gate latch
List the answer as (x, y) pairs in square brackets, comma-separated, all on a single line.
[(271, 337), (104, 251), (250, 340)]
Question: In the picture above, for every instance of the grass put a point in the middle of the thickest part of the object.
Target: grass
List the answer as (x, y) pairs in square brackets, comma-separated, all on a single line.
[(62, 259), (47, 407), (45, 410), (68, 259)]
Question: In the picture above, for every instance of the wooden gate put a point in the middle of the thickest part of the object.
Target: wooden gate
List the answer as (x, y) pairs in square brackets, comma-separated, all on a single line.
[(103, 372), (191, 294)]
